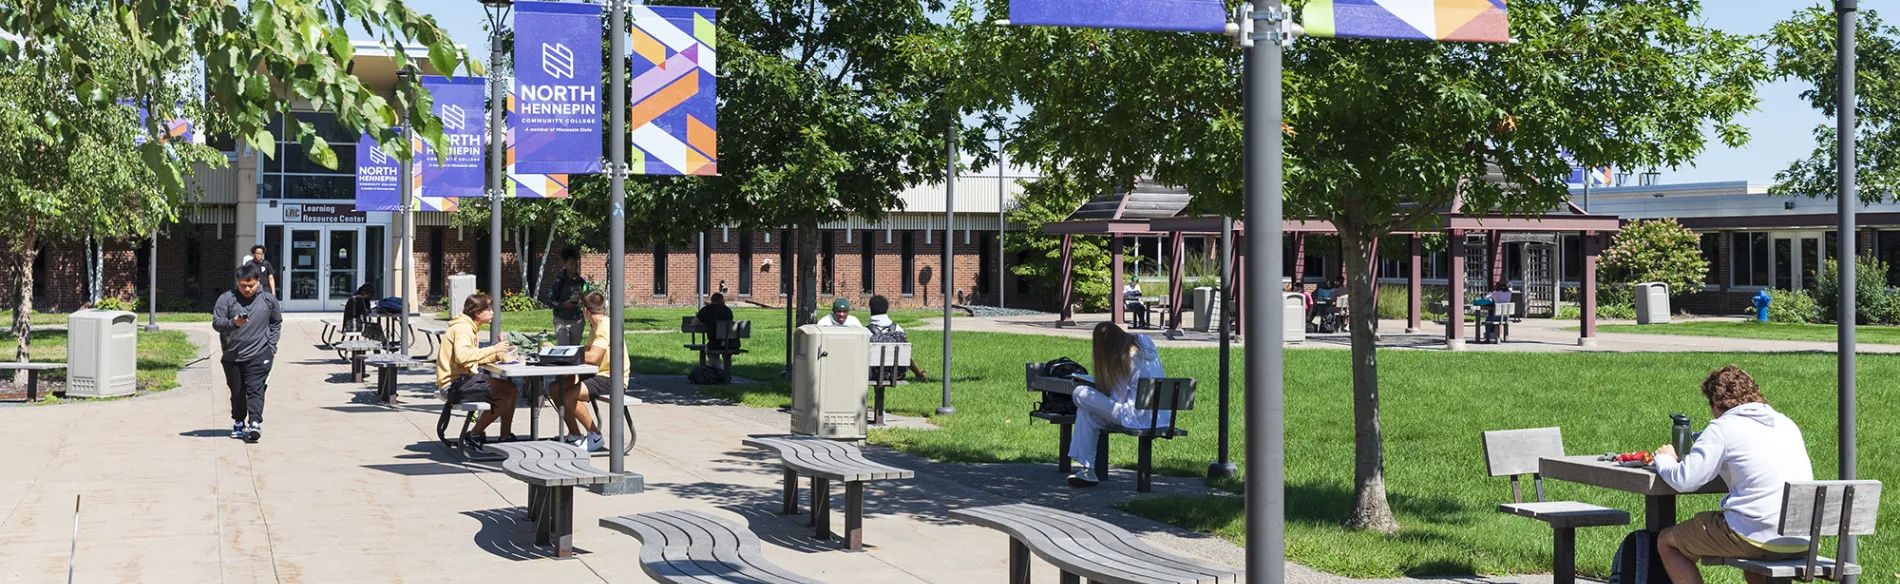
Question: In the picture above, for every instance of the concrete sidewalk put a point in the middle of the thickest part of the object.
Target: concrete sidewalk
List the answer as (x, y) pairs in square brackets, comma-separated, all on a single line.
[(344, 490)]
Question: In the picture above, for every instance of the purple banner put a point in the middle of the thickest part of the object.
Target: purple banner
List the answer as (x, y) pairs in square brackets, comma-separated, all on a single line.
[(378, 177), (557, 87), (176, 129), (1162, 15), (460, 103)]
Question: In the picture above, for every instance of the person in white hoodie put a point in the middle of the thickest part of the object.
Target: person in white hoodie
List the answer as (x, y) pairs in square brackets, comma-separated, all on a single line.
[(1755, 450)]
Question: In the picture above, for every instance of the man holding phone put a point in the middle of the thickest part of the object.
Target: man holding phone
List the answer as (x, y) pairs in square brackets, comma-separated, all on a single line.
[(249, 322)]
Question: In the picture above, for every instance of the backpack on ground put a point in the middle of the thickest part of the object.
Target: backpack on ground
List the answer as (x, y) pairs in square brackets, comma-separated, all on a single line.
[(705, 375), (1637, 561)]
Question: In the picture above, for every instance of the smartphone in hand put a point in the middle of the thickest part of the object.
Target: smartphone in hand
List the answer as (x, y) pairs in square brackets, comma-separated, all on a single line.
[(241, 319)]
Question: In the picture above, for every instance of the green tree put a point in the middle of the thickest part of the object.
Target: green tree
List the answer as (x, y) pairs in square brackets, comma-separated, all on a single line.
[(1381, 134), (1804, 50), (258, 60), (1656, 251), (1048, 200)]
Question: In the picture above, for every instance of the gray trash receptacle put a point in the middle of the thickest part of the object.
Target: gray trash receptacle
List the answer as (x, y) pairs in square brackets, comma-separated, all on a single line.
[(1652, 303), (461, 286), (1206, 301), (1295, 317), (102, 351)]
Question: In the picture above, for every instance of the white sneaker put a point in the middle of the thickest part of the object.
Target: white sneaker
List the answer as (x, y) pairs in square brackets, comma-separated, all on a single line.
[(574, 440), (595, 442)]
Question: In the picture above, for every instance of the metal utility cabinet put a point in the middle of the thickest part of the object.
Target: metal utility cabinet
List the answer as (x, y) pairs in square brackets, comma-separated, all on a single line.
[(831, 371), (102, 348), (462, 286)]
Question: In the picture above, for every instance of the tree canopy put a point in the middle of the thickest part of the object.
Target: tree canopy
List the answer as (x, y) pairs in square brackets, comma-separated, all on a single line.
[(1804, 50)]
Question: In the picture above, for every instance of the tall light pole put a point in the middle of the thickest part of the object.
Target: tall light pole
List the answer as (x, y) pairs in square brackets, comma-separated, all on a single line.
[(151, 292), (617, 257), (497, 154), (406, 77), (1265, 332), (1002, 224), (1848, 199), (949, 253)]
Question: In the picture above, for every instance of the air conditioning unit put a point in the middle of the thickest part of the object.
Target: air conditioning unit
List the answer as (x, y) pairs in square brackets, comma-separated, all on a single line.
[(102, 350), (831, 374)]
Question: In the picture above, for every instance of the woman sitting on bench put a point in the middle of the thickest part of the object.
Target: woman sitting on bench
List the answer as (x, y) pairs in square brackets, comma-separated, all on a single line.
[(1121, 358)]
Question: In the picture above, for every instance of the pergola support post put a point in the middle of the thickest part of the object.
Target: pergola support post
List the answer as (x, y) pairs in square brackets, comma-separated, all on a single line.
[(1115, 280), (1068, 282), (1415, 292), (1455, 317), (1588, 336), (1496, 258), (1299, 260), (1177, 250)]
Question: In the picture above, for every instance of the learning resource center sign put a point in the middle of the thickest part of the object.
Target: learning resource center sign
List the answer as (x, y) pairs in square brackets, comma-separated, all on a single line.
[(557, 86)]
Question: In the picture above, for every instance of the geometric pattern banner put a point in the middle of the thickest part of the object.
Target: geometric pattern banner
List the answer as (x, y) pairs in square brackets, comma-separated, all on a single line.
[(1422, 20), (529, 186), (673, 92), (425, 203)]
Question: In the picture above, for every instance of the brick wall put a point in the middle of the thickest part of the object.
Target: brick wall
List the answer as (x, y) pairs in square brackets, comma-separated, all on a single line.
[(194, 263)]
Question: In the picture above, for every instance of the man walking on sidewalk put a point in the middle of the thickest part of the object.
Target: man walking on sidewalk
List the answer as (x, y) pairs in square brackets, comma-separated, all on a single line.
[(248, 321)]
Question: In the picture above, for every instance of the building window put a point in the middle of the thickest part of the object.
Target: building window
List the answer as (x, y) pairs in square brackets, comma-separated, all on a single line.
[(785, 251), (1711, 253), (828, 264), (909, 264), (291, 174), (1887, 248), (1748, 259), (1022, 284), (867, 263), (437, 271), (659, 269), (745, 264), (986, 263), (374, 257)]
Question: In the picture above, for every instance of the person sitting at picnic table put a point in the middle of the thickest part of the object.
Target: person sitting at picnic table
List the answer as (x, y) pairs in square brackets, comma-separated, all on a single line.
[(885, 330), (840, 315), (572, 393), (1131, 298), (1756, 451), (456, 371), (356, 313), (1121, 358), (714, 312), (1318, 303)]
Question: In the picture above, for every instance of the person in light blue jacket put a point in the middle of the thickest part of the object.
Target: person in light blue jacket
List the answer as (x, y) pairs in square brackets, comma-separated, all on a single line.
[(1120, 360)]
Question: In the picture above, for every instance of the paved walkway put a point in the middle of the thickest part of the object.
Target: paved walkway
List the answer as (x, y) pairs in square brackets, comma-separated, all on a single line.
[(344, 490), (1531, 335)]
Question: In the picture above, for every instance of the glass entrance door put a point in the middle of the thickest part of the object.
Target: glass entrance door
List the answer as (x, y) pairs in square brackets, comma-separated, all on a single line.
[(343, 267), (326, 266), (1798, 259), (305, 270)]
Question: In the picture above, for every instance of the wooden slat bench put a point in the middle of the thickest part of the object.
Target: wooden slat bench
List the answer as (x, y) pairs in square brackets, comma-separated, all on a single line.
[(826, 461), (732, 332), (1084, 547), (33, 370), (698, 548), (552, 470), (888, 364), (1816, 510)]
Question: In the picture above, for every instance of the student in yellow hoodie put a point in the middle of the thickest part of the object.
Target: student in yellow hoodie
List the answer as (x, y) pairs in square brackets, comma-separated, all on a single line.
[(457, 371)]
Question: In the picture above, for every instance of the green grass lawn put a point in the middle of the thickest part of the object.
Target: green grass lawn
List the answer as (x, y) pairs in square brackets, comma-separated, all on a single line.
[(160, 356), (1885, 335), (1435, 405), (44, 318)]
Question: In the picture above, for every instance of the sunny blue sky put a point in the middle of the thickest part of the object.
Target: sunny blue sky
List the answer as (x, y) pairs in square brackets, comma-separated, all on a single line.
[(1782, 130)]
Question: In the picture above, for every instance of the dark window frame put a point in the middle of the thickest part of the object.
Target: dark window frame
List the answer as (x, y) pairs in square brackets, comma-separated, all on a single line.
[(827, 263), (867, 263), (660, 252), (745, 264), (908, 264)]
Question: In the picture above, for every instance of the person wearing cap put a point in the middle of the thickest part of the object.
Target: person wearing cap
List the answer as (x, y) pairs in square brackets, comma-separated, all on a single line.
[(840, 315)]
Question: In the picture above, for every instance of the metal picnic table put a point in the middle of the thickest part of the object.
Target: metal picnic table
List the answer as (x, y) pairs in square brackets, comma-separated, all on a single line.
[(1659, 500), (533, 380)]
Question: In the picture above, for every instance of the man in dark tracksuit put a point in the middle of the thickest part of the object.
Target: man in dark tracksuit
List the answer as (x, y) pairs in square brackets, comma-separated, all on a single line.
[(565, 298), (248, 321)]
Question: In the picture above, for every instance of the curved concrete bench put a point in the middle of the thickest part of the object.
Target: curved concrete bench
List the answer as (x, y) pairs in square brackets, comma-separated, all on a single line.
[(698, 548), (1084, 547), (825, 461), (552, 470)]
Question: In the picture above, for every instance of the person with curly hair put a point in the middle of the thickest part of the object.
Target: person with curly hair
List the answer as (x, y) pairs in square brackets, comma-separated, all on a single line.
[(1755, 450)]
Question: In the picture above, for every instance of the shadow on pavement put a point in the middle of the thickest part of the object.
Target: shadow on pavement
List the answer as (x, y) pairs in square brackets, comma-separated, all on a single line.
[(508, 534)]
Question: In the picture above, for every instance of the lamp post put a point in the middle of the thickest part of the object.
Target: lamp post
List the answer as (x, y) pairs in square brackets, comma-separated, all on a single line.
[(406, 77), (497, 153), (1847, 198)]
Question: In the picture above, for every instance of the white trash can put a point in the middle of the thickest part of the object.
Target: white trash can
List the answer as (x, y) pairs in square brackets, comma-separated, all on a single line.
[(1295, 317), (102, 351), (1652, 303), (1206, 308)]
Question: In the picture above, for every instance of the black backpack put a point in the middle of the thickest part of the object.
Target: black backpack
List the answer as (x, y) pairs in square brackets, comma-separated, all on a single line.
[(1056, 403), (887, 334), (1637, 562), (1062, 367)]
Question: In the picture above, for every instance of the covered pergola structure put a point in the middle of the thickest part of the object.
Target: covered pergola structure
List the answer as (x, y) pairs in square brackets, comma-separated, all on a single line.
[(1476, 258)]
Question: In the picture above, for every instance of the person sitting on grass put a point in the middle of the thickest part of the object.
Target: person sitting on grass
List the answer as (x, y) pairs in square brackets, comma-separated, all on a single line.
[(1756, 451), (457, 366), (1121, 358), (573, 394)]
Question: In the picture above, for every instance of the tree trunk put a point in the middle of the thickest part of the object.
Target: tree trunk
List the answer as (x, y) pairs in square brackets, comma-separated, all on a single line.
[(1369, 510), (808, 273), (542, 274), (23, 301), (521, 253)]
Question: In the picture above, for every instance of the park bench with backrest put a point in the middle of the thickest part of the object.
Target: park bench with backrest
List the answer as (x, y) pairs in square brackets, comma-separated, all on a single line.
[(722, 341), (1514, 453), (694, 547), (889, 361), (552, 470), (826, 461), (1814, 510), (1085, 547), (1158, 396)]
